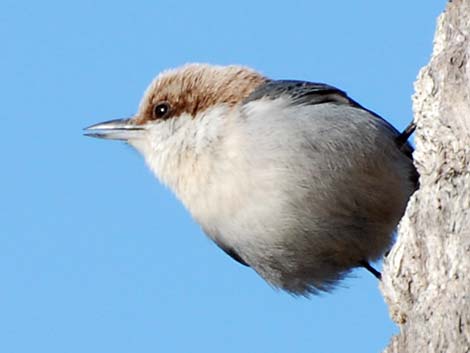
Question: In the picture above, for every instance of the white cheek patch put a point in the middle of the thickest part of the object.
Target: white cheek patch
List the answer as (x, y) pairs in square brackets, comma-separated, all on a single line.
[(175, 149)]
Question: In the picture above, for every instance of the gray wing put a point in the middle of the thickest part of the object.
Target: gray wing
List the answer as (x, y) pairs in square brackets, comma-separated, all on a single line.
[(304, 92), (301, 92), (309, 93)]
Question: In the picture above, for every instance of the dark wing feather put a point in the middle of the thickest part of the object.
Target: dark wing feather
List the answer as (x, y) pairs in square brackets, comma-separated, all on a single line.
[(309, 93), (301, 92), (231, 252)]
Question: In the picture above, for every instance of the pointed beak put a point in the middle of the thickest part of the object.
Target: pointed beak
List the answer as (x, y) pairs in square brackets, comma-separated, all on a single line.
[(118, 129)]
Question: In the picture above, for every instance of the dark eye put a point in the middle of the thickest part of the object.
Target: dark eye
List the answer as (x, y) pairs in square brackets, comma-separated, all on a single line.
[(161, 110)]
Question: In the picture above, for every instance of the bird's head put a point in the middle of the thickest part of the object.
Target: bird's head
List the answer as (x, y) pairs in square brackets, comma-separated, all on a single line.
[(181, 113)]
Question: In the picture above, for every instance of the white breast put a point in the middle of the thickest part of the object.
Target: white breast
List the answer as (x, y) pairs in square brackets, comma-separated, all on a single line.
[(301, 193)]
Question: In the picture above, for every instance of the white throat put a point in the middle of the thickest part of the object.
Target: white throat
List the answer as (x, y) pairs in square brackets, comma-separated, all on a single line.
[(182, 152)]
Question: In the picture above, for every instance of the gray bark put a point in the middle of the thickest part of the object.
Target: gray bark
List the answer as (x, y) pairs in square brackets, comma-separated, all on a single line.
[(426, 277)]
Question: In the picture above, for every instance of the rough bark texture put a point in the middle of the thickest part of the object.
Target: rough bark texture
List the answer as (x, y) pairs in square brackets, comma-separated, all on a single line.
[(426, 277)]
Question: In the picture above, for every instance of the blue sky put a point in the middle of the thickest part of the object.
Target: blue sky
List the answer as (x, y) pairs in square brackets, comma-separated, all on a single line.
[(95, 255)]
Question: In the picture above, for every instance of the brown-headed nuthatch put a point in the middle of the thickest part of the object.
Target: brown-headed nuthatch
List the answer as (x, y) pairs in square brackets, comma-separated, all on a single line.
[(292, 178)]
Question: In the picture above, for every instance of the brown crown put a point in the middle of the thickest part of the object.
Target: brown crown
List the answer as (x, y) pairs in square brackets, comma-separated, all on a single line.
[(195, 88)]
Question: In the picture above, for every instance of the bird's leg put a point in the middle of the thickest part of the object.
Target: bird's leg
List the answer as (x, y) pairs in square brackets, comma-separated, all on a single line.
[(405, 135), (368, 267)]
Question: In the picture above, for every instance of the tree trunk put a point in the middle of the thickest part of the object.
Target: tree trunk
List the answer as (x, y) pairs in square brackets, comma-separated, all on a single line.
[(426, 276)]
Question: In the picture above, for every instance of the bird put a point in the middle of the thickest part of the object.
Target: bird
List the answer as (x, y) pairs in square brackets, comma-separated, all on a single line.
[(291, 178)]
